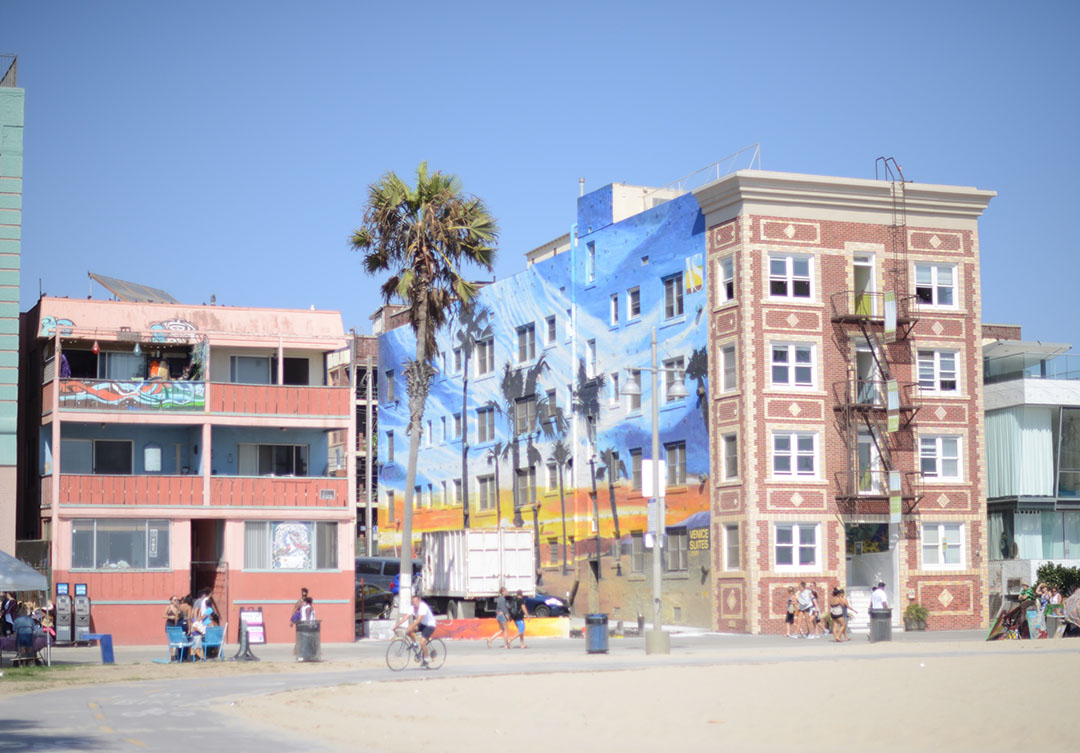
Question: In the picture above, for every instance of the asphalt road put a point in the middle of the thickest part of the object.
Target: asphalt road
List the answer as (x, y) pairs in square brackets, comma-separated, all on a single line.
[(178, 714)]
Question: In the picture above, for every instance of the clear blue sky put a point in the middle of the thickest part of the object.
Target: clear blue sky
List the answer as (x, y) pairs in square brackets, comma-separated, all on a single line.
[(225, 147)]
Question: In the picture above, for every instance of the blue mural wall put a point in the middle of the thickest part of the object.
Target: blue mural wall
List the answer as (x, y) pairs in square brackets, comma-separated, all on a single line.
[(658, 253)]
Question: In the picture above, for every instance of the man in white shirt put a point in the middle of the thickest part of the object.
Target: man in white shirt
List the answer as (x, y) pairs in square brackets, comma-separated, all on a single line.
[(422, 625), (878, 599), (806, 603)]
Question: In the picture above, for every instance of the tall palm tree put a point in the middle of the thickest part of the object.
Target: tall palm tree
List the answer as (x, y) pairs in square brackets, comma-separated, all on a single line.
[(612, 467), (473, 327), (422, 235), (560, 455)]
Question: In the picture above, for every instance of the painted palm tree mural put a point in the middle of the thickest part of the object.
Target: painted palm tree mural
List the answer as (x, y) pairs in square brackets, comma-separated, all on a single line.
[(473, 327), (520, 399), (611, 467), (561, 457), (496, 453), (697, 368), (422, 236)]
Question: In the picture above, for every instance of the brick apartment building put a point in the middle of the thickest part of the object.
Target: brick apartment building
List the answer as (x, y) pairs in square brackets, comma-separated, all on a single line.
[(847, 442)]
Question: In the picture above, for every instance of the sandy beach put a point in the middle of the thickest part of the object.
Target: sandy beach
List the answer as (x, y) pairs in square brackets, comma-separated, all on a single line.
[(990, 701)]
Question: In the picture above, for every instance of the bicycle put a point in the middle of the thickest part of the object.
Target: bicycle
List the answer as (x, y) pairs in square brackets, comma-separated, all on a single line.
[(405, 648)]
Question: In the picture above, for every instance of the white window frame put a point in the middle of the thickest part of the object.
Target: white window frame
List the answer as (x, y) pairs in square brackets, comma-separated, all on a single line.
[(727, 442), (933, 446), (935, 286), (485, 425), (633, 303), (590, 262), (794, 453), (727, 530), (792, 350), (485, 357), (614, 309), (526, 343), (674, 297), (932, 358), (676, 466), (552, 476), (485, 492), (90, 525), (725, 275), (635, 469), (943, 540), (673, 369), (796, 546), (789, 278), (635, 400), (591, 354), (550, 326), (729, 368)]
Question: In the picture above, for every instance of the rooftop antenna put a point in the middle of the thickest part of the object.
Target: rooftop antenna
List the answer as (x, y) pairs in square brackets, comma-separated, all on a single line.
[(581, 186)]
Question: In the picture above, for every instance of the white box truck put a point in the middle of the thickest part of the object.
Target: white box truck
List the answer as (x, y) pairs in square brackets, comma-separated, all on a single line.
[(463, 570)]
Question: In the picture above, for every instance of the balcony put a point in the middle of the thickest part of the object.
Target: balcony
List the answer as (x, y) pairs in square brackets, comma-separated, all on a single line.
[(856, 306), (871, 394), (273, 491), (126, 490), (137, 395), (867, 490), (279, 400)]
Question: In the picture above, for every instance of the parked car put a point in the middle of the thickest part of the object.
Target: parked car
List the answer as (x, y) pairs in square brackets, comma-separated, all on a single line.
[(381, 571), (373, 603), (545, 605)]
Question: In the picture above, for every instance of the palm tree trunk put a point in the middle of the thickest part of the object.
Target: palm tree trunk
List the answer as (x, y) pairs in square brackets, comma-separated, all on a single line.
[(565, 541), (498, 501), (417, 389), (465, 439), (615, 520), (515, 452)]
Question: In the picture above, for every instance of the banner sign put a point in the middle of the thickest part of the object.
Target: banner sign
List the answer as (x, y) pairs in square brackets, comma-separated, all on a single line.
[(892, 404), (890, 316), (895, 496), (256, 628)]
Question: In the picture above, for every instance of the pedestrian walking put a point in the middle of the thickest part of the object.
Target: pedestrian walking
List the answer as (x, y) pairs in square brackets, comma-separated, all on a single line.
[(518, 613), (502, 615), (792, 608)]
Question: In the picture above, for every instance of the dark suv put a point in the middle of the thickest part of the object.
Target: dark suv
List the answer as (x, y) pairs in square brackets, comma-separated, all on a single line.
[(381, 571)]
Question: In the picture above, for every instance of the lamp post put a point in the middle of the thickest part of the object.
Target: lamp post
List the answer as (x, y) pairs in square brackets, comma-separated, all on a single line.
[(656, 640)]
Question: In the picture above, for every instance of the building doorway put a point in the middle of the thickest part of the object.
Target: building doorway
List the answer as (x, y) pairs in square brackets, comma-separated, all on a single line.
[(208, 566), (864, 284)]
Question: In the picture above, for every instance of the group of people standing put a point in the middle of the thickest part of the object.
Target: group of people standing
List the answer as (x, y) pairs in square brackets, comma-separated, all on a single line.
[(804, 614), (15, 614), (193, 614)]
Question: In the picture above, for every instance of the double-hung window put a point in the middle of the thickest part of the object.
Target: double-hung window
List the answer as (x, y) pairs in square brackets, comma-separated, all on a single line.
[(524, 415), (792, 365), (635, 400), (526, 484), (552, 476), (731, 456), (633, 303), (635, 469), (550, 322), (676, 463), (673, 296), (795, 454), (526, 338), (389, 392), (591, 348), (935, 284), (485, 424), (637, 552), (726, 288), (937, 371), (942, 546), (939, 457), (676, 550), (728, 374), (732, 558), (486, 486), (796, 546), (673, 371), (789, 276), (485, 357)]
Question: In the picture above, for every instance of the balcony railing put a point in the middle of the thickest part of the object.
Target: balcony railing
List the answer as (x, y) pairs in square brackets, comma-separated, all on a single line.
[(852, 305), (874, 483), (871, 394), (98, 394), (1063, 368), (271, 491), (278, 400), (128, 490)]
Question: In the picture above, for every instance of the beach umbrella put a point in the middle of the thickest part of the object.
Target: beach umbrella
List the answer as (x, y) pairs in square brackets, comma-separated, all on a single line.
[(1072, 608)]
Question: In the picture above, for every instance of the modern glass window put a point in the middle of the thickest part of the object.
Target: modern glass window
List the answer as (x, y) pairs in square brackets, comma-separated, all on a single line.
[(111, 457), (676, 463), (290, 545), (524, 415), (551, 335), (673, 371), (485, 357), (729, 380), (272, 459), (1069, 462), (614, 308), (937, 370), (789, 276), (943, 546), (935, 284), (792, 365), (731, 456), (795, 455), (487, 491), (796, 546), (633, 303), (637, 552), (635, 400), (123, 366), (726, 269), (732, 555), (250, 370), (389, 391), (635, 469), (939, 457), (673, 296), (677, 550), (485, 424), (119, 544), (526, 338)]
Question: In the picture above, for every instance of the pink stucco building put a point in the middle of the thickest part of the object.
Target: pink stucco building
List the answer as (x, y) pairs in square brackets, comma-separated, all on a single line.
[(180, 447)]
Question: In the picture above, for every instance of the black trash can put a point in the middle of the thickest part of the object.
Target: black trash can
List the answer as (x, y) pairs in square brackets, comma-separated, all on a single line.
[(880, 625), (596, 637), (309, 640)]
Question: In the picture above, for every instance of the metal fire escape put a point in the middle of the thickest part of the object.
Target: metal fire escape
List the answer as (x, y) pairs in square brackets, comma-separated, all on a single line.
[(875, 409)]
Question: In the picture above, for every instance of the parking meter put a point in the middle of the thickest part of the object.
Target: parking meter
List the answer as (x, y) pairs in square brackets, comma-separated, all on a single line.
[(81, 604), (63, 615)]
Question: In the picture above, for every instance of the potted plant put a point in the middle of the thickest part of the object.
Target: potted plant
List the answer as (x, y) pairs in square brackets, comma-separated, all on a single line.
[(915, 617)]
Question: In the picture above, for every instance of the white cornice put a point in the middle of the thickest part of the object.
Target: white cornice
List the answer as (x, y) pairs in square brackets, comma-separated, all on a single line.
[(780, 193)]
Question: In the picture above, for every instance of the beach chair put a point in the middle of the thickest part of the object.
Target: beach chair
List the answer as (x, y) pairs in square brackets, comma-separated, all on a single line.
[(178, 640), (214, 638)]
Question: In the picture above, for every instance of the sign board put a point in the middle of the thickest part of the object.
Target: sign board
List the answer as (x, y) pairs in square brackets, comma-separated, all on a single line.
[(61, 589), (647, 480), (895, 497), (256, 628), (80, 589), (890, 316), (699, 539)]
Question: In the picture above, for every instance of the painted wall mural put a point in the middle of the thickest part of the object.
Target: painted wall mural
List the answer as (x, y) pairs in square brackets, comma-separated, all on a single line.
[(527, 419), (133, 395)]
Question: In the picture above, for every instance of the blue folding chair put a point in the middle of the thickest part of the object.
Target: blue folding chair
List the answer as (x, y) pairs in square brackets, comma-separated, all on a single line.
[(24, 646), (214, 638), (178, 640)]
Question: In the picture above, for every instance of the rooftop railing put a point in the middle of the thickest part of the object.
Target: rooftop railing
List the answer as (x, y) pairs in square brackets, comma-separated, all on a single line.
[(9, 68), (1065, 368)]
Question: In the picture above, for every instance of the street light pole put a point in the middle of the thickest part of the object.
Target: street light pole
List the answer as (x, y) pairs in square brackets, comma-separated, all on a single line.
[(656, 640)]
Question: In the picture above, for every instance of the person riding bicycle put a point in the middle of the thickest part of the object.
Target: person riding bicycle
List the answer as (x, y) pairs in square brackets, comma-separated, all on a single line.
[(422, 624)]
